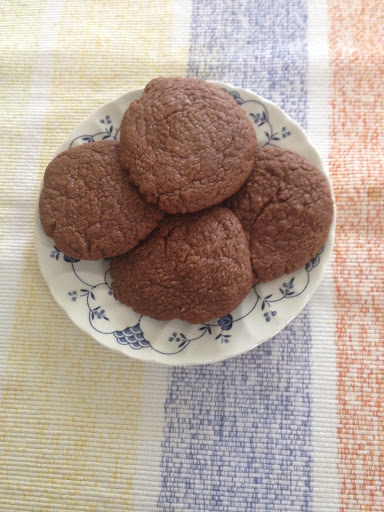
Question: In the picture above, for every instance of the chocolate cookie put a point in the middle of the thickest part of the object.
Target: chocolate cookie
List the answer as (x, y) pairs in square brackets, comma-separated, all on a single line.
[(194, 267), (286, 210), (187, 144), (89, 207)]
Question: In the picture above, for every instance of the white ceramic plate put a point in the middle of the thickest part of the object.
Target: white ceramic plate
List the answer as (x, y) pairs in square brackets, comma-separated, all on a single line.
[(82, 288)]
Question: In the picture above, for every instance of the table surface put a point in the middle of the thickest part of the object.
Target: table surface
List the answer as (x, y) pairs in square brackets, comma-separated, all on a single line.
[(294, 425)]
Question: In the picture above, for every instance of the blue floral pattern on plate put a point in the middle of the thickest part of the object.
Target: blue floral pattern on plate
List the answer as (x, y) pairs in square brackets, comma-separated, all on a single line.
[(134, 337), (106, 132), (261, 119), (89, 300)]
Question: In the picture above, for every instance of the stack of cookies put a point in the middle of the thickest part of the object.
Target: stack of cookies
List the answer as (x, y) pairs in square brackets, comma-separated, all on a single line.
[(190, 210)]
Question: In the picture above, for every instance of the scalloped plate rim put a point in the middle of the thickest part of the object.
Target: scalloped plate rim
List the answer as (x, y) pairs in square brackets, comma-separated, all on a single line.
[(168, 361)]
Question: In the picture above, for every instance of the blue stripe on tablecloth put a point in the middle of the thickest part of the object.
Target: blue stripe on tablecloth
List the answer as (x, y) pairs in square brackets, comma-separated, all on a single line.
[(238, 433), (258, 44)]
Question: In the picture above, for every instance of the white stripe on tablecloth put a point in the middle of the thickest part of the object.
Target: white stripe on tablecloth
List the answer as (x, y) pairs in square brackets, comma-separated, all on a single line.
[(181, 22), (147, 480), (324, 372), (18, 231)]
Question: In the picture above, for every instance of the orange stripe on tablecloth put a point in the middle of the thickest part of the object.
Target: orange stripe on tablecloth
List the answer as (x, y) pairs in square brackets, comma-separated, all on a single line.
[(357, 163)]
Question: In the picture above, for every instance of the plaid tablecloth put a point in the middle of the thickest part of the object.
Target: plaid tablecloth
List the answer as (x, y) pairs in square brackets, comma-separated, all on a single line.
[(294, 425)]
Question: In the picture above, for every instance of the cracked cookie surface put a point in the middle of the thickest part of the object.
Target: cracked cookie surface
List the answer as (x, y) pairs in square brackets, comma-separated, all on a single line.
[(286, 210), (195, 267), (88, 205), (187, 143)]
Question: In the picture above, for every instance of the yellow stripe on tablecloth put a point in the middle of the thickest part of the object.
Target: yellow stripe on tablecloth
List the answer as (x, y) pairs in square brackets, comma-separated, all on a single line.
[(15, 78), (69, 412), (107, 49), (71, 409)]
